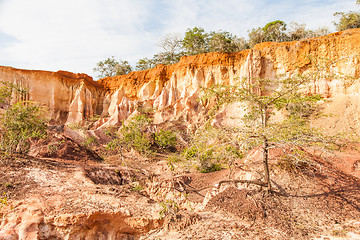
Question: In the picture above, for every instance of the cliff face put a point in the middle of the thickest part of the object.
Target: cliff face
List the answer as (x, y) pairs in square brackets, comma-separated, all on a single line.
[(61, 194), (173, 90), (68, 97)]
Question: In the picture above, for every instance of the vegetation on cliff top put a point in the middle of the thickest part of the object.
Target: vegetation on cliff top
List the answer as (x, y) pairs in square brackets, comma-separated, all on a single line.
[(197, 41)]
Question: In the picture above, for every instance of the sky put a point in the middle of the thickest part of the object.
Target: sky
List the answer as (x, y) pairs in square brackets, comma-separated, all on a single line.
[(73, 35)]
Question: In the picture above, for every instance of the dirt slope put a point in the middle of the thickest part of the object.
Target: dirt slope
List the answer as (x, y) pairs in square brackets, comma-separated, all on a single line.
[(140, 198)]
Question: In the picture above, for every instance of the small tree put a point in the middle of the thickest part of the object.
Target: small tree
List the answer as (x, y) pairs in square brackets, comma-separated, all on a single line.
[(195, 41), (222, 41), (275, 31), (240, 43), (166, 58), (145, 63), (262, 97), (19, 122), (298, 32), (347, 20), (171, 43), (210, 149), (111, 67), (256, 35)]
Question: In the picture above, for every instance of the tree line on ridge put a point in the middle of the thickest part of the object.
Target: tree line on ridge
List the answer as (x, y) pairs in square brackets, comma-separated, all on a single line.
[(197, 41)]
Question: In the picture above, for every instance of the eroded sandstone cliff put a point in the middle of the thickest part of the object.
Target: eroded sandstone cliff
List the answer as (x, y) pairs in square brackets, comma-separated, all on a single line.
[(66, 195), (68, 97), (173, 90)]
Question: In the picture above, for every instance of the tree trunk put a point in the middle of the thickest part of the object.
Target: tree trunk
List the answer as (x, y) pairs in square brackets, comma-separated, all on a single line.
[(266, 164), (265, 151)]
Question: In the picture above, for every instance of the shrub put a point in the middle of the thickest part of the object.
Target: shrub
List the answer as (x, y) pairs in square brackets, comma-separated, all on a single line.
[(89, 141), (165, 139), (136, 133), (168, 207), (3, 200), (133, 135), (21, 122), (210, 150)]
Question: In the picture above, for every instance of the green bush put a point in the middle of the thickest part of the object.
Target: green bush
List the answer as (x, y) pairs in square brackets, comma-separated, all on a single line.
[(3, 200), (168, 207), (133, 135), (165, 139), (210, 150), (137, 134), (21, 122), (89, 141), (213, 167)]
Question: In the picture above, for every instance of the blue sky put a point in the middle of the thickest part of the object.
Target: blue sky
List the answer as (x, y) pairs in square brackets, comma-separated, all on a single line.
[(74, 35)]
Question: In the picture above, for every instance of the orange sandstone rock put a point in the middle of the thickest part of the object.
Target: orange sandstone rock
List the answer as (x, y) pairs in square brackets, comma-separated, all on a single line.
[(173, 90)]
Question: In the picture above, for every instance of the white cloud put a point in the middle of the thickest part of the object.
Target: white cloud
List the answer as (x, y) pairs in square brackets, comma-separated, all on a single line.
[(75, 34), (53, 34)]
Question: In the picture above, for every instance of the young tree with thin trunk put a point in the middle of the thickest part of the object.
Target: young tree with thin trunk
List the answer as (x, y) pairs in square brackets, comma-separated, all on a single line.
[(263, 97), (171, 43)]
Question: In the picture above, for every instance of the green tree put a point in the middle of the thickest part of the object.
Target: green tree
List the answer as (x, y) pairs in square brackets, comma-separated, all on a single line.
[(134, 134), (166, 58), (111, 67), (275, 31), (222, 41), (347, 20), (195, 41), (298, 32), (256, 35), (145, 64), (262, 97), (19, 122), (171, 43)]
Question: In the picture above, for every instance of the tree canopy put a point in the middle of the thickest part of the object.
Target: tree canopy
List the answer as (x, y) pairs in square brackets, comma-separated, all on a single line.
[(19, 122), (260, 102), (197, 41), (347, 20), (263, 97), (111, 67)]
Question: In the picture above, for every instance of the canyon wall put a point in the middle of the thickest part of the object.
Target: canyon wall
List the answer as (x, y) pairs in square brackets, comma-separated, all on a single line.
[(172, 91), (68, 97)]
